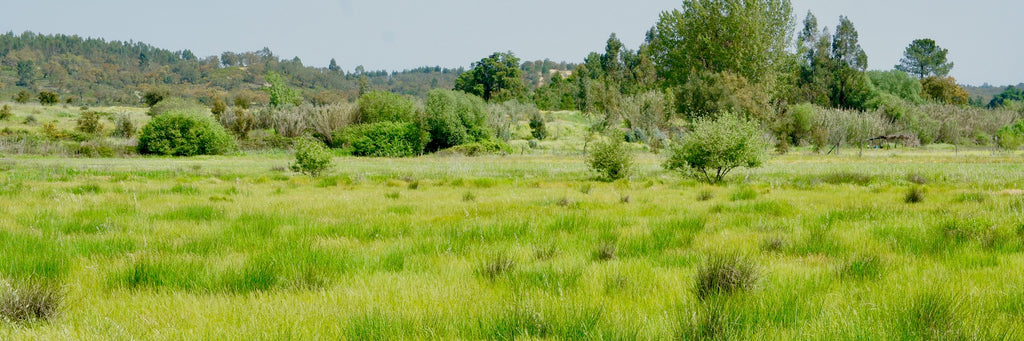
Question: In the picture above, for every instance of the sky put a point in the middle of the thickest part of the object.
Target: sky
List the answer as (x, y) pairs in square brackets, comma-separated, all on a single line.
[(983, 36)]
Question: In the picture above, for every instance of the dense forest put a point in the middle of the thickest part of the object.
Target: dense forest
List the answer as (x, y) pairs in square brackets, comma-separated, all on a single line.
[(95, 71)]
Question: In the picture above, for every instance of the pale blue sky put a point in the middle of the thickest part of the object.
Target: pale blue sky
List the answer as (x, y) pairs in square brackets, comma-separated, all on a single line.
[(984, 36)]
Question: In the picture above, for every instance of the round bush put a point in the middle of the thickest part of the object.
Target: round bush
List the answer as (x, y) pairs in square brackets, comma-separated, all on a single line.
[(184, 134), (384, 139), (611, 159), (382, 106), (311, 157)]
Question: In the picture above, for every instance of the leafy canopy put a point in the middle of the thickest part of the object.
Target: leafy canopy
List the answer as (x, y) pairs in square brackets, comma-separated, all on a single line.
[(745, 37), (716, 147), (497, 77), (924, 58)]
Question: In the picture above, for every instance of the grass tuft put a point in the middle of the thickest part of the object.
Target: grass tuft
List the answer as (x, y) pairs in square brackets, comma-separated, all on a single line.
[(605, 252), (30, 301), (498, 266), (724, 275), (744, 193), (705, 195), (914, 195)]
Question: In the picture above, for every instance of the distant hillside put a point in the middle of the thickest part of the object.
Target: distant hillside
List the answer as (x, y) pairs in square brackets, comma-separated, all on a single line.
[(95, 71), (987, 92)]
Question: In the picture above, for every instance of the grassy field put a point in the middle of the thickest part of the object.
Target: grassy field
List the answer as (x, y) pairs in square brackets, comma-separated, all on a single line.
[(235, 247)]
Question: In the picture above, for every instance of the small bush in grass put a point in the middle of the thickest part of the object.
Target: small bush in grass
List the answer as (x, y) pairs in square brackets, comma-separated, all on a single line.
[(914, 195), (311, 157), (5, 112), (30, 301), (625, 199), (565, 202), (1011, 137), (537, 126), (498, 266), (89, 122), (184, 134), (725, 274), (123, 126), (606, 251), (468, 196), (611, 159)]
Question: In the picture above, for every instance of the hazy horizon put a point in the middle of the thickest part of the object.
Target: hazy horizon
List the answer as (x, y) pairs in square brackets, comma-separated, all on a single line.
[(397, 35)]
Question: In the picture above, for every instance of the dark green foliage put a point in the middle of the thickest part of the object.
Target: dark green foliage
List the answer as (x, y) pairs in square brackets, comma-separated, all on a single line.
[(924, 58), (48, 98), (89, 122), (716, 147), (724, 275), (537, 127), (383, 139), (184, 134), (914, 195), (496, 78), (311, 157), (383, 106), (611, 159), (454, 118), (1010, 94), (154, 96), (5, 112)]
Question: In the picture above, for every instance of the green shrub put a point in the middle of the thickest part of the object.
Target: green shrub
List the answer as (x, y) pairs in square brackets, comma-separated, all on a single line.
[(1011, 137), (123, 126), (89, 122), (716, 147), (455, 118), (23, 97), (489, 146), (383, 106), (184, 134), (537, 128), (383, 139), (5, 112), (48, 98), (611, 159), (311, 157)]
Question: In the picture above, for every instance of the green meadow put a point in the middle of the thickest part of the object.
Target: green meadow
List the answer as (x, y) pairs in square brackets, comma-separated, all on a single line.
[(891, 244)]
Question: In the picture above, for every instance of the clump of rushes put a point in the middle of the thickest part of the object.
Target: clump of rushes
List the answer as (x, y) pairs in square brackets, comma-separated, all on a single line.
[(724, 275)]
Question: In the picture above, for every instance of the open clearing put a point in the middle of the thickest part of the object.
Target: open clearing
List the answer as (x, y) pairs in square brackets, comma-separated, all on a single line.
[(505, 247)]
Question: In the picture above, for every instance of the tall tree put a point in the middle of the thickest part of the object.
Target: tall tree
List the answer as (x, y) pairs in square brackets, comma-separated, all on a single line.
[(924, 58), (26, 73), (745, 37), (497, 77), (334, 66)]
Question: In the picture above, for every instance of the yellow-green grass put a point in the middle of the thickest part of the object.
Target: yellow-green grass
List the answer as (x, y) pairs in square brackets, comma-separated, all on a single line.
[(235, 247)]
